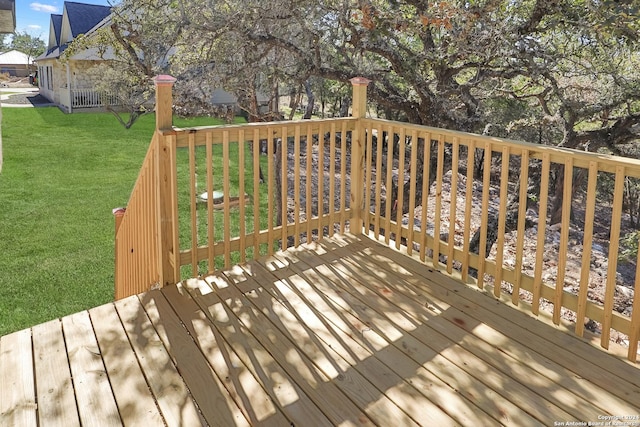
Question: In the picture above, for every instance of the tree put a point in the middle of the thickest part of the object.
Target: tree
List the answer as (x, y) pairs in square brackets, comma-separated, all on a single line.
[(569, 66), (444, 63), (554, 72), (125, 94), (26, 43), (218, 49)]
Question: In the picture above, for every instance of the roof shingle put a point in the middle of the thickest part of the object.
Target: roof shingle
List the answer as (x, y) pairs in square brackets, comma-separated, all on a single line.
[(83, 17), (56, 21)]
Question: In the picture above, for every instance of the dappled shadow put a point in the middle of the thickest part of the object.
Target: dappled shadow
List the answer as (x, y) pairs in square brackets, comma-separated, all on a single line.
[(346, 332), (350, 324)]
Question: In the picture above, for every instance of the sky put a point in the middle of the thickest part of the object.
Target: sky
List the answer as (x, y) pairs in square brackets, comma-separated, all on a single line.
[(33, 16)]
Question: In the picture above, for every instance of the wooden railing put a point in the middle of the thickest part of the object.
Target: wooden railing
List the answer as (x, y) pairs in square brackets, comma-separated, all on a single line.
[(231, 193), (522, 267), (91, 98), (267, 202), (228, 202), (136, 254)]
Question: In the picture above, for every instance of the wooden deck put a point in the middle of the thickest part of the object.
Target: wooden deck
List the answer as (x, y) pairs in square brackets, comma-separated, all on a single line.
[(348, 332)]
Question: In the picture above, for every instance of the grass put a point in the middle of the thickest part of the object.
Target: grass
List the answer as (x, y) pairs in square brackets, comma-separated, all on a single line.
[(234, 159), (62, 176)]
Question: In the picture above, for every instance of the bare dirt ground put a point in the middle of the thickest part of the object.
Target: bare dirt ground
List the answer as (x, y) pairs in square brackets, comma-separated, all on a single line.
[(16, 82)]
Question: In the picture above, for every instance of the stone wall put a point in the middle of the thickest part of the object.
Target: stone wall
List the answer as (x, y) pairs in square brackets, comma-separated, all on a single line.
[(80, 78)]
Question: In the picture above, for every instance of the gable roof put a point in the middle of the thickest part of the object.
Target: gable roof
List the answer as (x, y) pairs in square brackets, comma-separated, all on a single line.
[(77, 18), (83, 17), (54, 30), (15, 57)]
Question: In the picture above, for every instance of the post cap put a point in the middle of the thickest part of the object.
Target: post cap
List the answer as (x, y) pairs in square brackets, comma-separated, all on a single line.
[(357, 81), (164, 79)]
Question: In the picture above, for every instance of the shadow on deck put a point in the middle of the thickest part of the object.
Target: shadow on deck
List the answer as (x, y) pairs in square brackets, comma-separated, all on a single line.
[(345, 332)]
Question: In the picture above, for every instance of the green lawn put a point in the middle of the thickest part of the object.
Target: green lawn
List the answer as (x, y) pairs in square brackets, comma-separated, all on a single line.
[(62, 176)]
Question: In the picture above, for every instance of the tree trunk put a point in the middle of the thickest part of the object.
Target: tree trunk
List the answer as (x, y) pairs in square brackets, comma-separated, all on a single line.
[(344, 106), (293, 94), (511, 220), (134, 115), (275, 104), (558, 196), (478, 166), (254, 113), (577, 183), (294, 101), (310, 100), (254, 116)]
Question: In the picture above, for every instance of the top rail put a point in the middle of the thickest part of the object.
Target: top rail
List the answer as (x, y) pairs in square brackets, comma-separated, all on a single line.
[(536, 151), (202, 135)]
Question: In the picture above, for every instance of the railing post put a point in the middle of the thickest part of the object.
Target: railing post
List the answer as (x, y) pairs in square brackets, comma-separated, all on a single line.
[(357, 153), (118, 214), (166, 183), (69, 90), (164, 101)]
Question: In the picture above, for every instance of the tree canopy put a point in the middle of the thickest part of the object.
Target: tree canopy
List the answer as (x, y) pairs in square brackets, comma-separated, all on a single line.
[(25, 43), (562, 72)]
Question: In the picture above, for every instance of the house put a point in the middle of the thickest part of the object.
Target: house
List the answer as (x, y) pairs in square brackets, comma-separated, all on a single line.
[(66, 83), (16, 63)]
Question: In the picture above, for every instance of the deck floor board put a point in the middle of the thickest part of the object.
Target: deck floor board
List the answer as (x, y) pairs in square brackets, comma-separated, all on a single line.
[(54, 386), (208, 391), (165, 382), (483, 341), (530, 361), (297, 404), (413, 389), (308, 365), (133, 397), (342, 332), (96, 403), (17, 395), (567, 350), (362, 386), (245, 390)]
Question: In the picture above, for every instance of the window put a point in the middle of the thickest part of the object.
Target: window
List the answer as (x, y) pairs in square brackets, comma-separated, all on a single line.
[(49, 78), (45, 74)]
